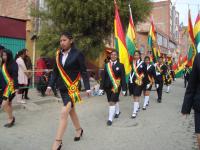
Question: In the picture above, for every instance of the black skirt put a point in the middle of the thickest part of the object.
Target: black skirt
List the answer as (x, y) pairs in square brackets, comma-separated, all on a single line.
[(147, 89), (66, 98), (197, 122), (2, 98), (111, 96), (135, 89)]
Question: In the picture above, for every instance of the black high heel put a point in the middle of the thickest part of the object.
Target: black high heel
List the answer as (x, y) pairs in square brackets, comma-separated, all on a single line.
[(78, 138), (60, 146), (9, 125)]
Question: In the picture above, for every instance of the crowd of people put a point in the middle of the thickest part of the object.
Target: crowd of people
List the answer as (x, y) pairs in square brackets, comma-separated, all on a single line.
[(15, 75), (14, 80), (144, 75)]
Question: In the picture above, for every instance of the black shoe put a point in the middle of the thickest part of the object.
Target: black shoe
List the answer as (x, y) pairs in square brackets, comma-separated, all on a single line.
[(144, 108), (9, 125), (159, 100), (27, 98), (78, 138), (138, 109), (117, 115), (59, 147), (109, 123)]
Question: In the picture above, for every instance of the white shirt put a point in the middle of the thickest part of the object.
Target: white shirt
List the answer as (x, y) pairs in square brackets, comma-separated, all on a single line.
[(113, 63), (64, 56), (22, 77)]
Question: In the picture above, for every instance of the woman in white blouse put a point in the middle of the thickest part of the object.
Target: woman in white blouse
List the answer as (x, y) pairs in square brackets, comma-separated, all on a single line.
[(22, 75)]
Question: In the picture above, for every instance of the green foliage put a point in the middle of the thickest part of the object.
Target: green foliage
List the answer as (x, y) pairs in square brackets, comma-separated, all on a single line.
[(90, 21)]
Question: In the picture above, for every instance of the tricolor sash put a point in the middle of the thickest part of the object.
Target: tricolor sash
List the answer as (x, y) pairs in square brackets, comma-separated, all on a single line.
[(72, 86), (140, 76), (149, 76), (9, 90), (115, 81), (158, 68)]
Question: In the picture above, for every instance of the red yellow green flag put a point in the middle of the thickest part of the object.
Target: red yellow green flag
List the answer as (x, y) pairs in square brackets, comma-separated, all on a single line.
[(120, 43), (131, 36), (197, 33), (192, 49), (152, 41), (181, 65)]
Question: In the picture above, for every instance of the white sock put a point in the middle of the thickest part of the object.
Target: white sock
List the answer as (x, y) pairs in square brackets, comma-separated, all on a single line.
[(117, 108), (168, 87), (135, 107), (146, 100), (111, 112)]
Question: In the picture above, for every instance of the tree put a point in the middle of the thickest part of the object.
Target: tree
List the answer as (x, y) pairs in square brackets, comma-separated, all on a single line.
[(90, 21)]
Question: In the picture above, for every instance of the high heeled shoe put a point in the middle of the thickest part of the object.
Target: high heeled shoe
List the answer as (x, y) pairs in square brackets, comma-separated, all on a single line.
[(79, 137), (60, 146), (9, 125)]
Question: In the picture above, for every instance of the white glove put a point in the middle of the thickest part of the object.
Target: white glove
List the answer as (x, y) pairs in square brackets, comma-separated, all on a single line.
[(124, 93), (157, 86), (100, 92), (148, 85)]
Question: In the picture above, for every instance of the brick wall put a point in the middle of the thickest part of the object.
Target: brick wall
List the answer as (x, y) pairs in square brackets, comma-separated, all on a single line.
[(19, 9)]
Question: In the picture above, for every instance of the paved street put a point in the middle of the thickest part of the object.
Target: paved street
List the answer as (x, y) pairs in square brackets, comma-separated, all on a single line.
[(160, 127)]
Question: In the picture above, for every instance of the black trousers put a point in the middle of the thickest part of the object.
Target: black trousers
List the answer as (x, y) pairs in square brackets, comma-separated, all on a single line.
[(159, 89), (185, 81)]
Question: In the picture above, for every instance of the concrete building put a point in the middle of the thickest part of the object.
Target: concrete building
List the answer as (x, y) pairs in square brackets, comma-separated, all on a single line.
[(184, 43), (21, 10), (166, 20)]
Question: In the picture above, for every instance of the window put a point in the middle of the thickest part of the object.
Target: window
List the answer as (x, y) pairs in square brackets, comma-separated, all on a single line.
[(159, 39), (142, 48), (165, 44)]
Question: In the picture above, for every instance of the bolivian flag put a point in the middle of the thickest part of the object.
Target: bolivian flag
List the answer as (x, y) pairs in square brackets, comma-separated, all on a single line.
[(192, 49), (181, 65), (131, 37), (152, 41), (120, 43), (197, 33)]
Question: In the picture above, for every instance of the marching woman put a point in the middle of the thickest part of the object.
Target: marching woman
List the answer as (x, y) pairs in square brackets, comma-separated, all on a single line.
[(161, 70), (168, 79), (113, 79), (8, 84), (70, 65), (149, 80), (136, 80)]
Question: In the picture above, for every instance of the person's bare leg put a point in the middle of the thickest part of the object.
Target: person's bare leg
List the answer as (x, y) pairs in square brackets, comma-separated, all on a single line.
[(198, 140), (62, 125), (75, 121), (8, 109)]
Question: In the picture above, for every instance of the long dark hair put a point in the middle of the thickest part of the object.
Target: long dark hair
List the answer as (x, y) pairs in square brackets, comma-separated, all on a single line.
[(137, 51), (10, 59), (69, 36), (20, 53)]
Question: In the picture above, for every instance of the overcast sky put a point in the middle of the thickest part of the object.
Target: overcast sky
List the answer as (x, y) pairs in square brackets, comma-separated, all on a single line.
[(182, 8)]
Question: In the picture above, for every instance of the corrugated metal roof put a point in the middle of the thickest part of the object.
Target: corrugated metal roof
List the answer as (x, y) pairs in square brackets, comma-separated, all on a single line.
[(13, 28)]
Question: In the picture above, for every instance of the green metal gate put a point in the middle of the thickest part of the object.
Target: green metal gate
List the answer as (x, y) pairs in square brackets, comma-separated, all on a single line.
[(12, 44)]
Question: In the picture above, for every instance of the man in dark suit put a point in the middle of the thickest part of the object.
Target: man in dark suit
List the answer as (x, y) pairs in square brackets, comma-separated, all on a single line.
[(113, 79), (192, 96), (161, 70), (186, 74), (70, 64)]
